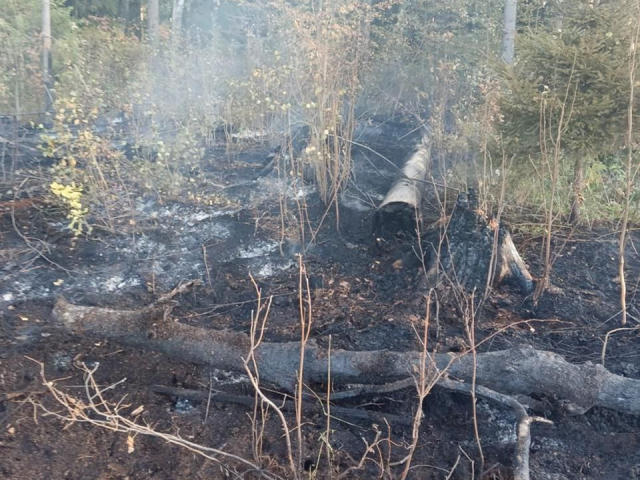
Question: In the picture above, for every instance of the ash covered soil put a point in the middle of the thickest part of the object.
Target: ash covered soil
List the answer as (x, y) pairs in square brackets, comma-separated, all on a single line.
[(363, 298)]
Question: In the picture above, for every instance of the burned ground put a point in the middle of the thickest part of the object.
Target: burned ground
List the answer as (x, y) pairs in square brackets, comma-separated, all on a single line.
[(363, 297)]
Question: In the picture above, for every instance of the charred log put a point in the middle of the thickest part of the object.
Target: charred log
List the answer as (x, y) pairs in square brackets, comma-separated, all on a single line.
[(517, 371), (399, 212)]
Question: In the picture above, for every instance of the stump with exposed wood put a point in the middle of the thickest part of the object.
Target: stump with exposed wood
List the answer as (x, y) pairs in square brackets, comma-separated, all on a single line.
[(467, 249), (474, 250)]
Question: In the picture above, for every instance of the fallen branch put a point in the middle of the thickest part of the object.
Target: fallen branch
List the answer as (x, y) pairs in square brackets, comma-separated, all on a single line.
[(521, 370), (523, 421), (309, 408)]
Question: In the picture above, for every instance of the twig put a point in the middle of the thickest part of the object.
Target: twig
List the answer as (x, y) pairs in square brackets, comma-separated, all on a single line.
[(206, 413), (453, 469), (548, 261), (182, 288), (629, 169), (365, 456), (470, 326), (424, 383), (606, 340), (328, 427), (206, 266), (305, 331), (258, 322), (99, 412)]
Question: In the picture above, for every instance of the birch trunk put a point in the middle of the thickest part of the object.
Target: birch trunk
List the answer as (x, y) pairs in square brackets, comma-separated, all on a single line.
[(46, 53), (400, 209), (509, 32), (153, 22), (176, 21)]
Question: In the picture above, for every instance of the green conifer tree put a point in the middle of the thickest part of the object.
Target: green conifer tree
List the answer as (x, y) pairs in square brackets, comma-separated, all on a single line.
[(582, 66)]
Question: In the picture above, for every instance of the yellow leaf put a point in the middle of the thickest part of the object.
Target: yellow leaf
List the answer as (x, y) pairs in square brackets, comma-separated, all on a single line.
[(58, 282)]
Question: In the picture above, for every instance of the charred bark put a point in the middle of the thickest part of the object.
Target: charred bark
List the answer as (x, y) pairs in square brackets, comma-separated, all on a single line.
[(309, 405), (520, 370), (467, 255)]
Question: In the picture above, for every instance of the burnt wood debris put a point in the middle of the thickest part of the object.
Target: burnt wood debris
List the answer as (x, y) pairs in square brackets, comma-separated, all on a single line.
[(520, 370), (467, 249)]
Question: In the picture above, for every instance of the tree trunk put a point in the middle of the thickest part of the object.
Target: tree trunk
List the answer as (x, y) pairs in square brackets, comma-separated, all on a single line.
[(46, 54), (123, 12), (578, 193), (509, 32), (131, 13), (153, 23), (176, 21), (520, 370), (558, 15)]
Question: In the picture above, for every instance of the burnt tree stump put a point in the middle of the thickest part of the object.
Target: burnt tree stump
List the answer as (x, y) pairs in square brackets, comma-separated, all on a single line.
[(467, 255)]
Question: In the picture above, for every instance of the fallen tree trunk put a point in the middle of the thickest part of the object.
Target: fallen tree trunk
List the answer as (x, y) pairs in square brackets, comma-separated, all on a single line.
[(517, 371), (401, 206)]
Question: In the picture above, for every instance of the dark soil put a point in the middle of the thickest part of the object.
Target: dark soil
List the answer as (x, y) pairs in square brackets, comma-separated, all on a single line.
[(364, 297)]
